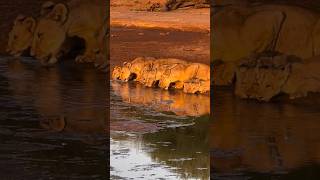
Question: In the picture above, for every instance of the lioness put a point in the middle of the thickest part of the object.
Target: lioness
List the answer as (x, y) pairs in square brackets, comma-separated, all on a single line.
[(152, 75), (116, 72), (20, 37), (173, 77), (177, 75), (198, 71), (133, 70), (79, 18), (196, 86), (21, 34)]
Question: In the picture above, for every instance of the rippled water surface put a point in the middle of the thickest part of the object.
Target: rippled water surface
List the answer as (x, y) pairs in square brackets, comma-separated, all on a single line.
[(158, 134), (52, 121), (276, 140)]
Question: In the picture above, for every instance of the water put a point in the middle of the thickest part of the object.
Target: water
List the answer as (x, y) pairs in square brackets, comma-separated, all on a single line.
[(276, 140), (157, 134), (52, 121)]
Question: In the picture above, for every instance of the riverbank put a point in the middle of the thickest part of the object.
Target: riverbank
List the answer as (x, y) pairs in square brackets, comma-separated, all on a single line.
[(182, 34), (196, 20), (129, 43)]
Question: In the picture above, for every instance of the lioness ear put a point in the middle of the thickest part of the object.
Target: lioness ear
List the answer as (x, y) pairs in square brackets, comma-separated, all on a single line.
[(19, 19), (127, 64), (59, 13), (30, 23), (46, 8)]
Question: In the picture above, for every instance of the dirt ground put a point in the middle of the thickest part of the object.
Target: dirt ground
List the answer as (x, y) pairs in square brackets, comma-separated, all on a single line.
[(182, 33), (197, 20), (129, 43)]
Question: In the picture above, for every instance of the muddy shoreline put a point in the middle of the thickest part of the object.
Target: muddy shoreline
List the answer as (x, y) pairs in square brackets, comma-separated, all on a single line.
[(129, 43), (196, 20)]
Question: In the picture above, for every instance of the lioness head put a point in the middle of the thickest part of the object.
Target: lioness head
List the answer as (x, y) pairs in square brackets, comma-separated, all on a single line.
[(21, 34), (125, 72), (116, 72), (262, 78), (49, 35)]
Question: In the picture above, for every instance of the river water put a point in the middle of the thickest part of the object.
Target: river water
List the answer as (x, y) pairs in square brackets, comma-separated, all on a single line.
[(276, 140), (52, 121), (53, 126), (157, 134)]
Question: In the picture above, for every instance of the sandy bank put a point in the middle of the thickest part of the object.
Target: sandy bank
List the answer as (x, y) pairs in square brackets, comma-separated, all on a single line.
[(197, 20), (129, 43)]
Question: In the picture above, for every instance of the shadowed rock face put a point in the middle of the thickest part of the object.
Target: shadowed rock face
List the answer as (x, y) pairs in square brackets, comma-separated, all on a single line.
[(263, 77)]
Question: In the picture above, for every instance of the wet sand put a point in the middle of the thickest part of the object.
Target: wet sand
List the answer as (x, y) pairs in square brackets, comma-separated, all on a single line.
[(128, 43)]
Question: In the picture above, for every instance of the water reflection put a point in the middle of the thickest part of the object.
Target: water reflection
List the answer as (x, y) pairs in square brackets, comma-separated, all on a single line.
[(251, 140), (53, 121), (176, 149), (182, 104)]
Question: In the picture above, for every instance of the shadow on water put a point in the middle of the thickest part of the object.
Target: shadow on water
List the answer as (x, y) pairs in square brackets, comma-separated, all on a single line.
[(52, 121), (251, 140), (158, 134)]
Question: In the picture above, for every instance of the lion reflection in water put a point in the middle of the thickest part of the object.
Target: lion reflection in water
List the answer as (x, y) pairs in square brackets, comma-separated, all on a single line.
[(261, 138), (180, 103), (75, 109)]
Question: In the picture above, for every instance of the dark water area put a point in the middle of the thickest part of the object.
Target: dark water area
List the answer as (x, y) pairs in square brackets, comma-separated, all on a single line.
[(52, 121), (252, 140), (158, 134)]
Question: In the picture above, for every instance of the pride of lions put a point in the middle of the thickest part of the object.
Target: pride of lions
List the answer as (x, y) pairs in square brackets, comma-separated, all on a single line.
[(166, 73), (47, 37), (266, 50), (242, 36)]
